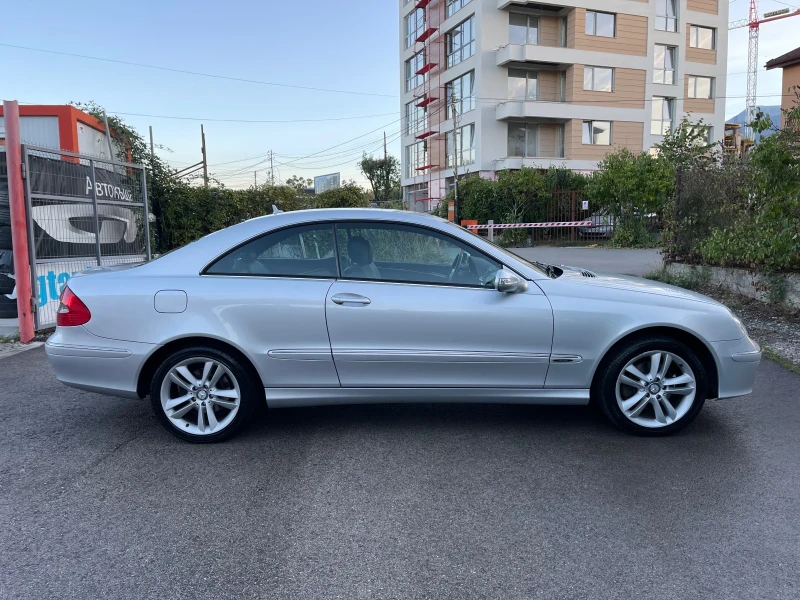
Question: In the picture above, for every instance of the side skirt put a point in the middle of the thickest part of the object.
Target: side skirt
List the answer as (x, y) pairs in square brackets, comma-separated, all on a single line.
[(288, 397)]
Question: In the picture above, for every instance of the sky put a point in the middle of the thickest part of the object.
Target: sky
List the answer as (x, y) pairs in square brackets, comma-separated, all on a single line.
[(347, 46)]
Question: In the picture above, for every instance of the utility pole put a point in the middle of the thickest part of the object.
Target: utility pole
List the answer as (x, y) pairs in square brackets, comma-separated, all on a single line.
[(108, 137), (456, 155), (255, 178), (152, 147), (205, 159), (385, 155), (271, 170)]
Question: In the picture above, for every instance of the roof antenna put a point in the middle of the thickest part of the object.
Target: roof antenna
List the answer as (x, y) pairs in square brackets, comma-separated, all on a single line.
[(276, 210)]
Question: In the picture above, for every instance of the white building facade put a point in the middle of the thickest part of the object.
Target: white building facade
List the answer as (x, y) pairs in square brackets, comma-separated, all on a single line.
[(562, 83)]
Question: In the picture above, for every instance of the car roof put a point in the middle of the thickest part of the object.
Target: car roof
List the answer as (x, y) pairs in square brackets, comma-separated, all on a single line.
[(195, 256)]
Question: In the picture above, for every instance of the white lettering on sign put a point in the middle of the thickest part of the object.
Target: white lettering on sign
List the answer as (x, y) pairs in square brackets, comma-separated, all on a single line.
[(108, 191)]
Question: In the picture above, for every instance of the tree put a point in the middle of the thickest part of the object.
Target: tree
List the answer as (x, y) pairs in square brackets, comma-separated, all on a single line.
[(299, 183), (348, 195), (383, 175), (687, 145), (629, 187)]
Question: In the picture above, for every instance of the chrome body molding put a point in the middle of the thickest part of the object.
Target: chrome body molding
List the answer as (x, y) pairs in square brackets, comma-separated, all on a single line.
[(288, 397)]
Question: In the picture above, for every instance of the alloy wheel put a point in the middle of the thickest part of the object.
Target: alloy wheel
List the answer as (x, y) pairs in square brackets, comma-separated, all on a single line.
[(656, 389), (200, 396)]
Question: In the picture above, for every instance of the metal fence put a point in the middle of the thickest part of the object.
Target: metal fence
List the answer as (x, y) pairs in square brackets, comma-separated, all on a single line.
[(82, 212)]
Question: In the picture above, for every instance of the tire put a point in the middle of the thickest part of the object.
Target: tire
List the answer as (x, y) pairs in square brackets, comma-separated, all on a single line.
[(235, 379), (6, 284), (5, 237), (8, 308), (685, 398)]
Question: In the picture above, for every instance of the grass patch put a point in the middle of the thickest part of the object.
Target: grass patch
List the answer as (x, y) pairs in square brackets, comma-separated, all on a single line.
[(693, 280), (785, 363)]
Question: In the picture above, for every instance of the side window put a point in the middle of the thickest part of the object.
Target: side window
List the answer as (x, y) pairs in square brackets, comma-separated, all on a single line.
[(404, 253), (305, 251)]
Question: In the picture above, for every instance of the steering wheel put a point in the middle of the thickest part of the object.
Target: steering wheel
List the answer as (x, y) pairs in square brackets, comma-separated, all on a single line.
[(463, 259), (454, 267)]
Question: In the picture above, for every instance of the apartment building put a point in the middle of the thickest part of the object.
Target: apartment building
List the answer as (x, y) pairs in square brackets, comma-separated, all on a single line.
[(488, 85)]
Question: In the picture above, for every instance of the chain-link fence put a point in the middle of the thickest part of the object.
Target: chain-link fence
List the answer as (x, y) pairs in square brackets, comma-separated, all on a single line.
[(82, 212)]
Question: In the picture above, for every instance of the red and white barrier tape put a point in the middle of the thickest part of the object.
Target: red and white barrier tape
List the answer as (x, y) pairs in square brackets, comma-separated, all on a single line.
[(532, 225)]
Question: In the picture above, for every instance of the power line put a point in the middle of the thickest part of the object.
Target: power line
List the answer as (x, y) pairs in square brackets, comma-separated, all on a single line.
[(197, 73), (206, 119)]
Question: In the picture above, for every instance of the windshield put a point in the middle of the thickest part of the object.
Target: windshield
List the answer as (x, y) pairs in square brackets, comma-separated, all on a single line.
[(538, 267)]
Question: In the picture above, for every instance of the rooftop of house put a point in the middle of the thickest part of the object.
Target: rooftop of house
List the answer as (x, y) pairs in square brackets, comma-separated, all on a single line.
[(787, 60)]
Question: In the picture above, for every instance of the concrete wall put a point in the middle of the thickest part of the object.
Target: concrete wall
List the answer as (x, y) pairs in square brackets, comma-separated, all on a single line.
[(742, 281), (791, 78)]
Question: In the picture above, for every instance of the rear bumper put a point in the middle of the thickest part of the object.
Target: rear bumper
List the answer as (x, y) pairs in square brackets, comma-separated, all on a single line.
[(87, 362), (737, 361)]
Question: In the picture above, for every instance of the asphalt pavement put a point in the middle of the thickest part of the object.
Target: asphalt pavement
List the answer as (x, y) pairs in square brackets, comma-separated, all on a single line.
[(626, 261), (405, 501)]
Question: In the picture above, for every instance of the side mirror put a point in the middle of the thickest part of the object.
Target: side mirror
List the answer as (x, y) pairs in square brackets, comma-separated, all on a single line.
[(509, 283)]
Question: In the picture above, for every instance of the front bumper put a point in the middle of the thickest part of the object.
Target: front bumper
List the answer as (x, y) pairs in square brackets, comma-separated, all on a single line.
[(736, 361), (88, 362)]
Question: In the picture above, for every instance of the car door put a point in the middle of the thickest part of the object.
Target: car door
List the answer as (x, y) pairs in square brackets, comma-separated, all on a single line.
[(401, 315), (268, 297)]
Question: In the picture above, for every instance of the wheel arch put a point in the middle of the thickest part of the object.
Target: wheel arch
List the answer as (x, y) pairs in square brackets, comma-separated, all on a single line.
[(155, 359), (701, 348)]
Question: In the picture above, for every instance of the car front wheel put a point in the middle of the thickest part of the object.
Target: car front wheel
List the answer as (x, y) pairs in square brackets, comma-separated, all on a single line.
[(203, 395), (651, 387)]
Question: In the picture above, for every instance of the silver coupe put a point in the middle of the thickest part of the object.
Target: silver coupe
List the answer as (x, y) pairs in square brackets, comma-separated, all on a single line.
[(348, 306)]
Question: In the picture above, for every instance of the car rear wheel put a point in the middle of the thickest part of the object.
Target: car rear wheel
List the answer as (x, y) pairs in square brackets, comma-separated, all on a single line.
[(651, 387), (203, 395)]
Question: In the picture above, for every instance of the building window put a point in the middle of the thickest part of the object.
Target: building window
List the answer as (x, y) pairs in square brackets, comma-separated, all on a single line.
[(415, 25), (663, 111), (598, 79), (461, 42), (523, 85), (701, 87), (523, 29), (664, 67), (597, 133), (414, 64), (523, 139), (702, 37), (453, 6), (666, 15), (416, 157), (600, 23), (416, 118), (463, 89), (460, 149), (416, 193)]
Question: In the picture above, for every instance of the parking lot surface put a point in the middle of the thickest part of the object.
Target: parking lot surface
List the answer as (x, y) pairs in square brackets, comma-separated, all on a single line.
[(626, 261), (406, 501)]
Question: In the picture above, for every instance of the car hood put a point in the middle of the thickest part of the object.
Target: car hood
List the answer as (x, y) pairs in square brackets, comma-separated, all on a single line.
[(632, 284)]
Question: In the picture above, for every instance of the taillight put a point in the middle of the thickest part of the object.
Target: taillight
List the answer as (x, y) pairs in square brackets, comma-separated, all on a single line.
[(72, 311)]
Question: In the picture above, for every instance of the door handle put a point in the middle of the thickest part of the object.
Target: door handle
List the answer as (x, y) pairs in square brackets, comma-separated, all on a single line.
[(350, 299)]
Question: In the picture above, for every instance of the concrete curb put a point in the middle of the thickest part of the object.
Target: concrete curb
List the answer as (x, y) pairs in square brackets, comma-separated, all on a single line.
[(12, 348)]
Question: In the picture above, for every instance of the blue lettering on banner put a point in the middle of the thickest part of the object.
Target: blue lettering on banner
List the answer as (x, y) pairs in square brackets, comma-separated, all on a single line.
[(47, 285)]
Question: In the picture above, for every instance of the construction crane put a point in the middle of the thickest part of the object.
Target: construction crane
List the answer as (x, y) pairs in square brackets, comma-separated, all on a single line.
[(754, 23)]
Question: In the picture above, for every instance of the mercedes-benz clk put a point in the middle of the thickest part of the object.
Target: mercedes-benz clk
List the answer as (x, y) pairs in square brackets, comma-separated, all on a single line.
[(345, 306)]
